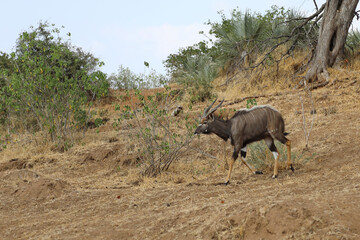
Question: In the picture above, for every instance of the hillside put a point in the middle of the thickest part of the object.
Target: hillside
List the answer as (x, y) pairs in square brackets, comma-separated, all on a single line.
[(93, 191)]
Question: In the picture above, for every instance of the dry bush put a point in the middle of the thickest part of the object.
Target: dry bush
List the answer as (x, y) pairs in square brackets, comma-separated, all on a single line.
[(161, 137), (285, 74)]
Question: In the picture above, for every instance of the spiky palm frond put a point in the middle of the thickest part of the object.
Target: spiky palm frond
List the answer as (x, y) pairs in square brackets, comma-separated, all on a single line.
[(239, 38), (353, 41), (197, 74)]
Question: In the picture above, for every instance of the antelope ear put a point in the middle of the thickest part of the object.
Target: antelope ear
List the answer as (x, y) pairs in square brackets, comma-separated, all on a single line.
[(211, 116)]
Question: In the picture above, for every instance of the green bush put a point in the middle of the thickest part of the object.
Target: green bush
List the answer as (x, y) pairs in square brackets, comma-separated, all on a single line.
[(126, 79), (236, 42), (5, 63), (176, 62), (52, 82)]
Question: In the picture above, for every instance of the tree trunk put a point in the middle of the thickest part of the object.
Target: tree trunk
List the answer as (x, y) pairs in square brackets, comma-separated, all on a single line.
[(337, 18)]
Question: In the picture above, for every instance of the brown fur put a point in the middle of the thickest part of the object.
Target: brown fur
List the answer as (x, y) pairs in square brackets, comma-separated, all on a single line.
[(245, 127)]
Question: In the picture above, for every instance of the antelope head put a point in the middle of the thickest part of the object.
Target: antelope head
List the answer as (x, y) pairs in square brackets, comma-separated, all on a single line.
[(206, 119)]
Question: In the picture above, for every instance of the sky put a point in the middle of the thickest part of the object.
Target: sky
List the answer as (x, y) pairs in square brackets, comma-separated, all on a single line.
[(128, 32)]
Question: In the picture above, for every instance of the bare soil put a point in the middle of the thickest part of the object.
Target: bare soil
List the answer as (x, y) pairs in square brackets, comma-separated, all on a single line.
[(93, 191)]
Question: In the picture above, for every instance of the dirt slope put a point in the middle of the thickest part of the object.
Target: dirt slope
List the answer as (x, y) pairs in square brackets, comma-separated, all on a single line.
[(91, 192)]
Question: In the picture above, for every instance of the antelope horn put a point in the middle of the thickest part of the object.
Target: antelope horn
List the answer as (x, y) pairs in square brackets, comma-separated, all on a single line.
[(207, 109), (215, 108)]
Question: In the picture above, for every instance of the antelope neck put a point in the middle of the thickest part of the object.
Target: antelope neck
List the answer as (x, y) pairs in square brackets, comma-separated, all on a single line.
[(221, 128)]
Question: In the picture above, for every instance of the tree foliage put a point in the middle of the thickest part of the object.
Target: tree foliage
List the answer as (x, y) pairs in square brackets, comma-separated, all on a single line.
[(248, 40), (51, 81), (238, 42), (127, 79), (5, 63)]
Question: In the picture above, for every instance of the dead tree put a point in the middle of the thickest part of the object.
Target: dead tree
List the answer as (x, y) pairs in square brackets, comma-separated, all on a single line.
[(334, 18), (336, 21)]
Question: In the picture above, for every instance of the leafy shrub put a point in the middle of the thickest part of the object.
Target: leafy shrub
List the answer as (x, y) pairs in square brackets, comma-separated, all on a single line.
[(5, 63), (4, 140), (250, 103), (176, 62), (126, 79), (52, 82), (161, 137)]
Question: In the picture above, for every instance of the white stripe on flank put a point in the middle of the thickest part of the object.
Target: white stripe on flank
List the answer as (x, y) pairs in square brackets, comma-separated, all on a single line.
[(275, 154), (258, 106)]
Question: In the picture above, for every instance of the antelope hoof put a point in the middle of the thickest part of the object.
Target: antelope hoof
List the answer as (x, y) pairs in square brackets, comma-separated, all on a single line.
[(226, 183), (258, 172), (274, 176), (292, 168)]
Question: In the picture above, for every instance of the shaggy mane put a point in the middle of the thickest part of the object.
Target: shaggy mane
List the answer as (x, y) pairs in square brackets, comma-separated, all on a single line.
[(246, 110)]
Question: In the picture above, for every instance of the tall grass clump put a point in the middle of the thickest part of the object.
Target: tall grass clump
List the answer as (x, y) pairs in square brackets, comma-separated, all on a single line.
[(261, 157)]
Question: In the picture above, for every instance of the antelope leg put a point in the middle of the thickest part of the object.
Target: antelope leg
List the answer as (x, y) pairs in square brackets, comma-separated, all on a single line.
[(276, 156), (290, 166), (229, 173), (250, 167), (226, 164), (246, 164)]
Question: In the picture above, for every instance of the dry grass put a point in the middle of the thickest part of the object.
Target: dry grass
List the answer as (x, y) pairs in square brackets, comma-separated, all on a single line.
[(95, 189), (273, 78)]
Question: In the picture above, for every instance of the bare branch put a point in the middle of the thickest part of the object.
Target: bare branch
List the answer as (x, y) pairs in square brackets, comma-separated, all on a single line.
[(357, 14), (307, 130), (317, 15), (316, 6), (203, 153)]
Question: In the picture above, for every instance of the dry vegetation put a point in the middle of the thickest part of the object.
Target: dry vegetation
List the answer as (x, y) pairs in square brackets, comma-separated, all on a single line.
[(94, 190)]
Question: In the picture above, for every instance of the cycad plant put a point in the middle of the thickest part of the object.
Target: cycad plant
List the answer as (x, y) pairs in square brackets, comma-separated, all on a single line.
[(238, 38), (289, 24), (353, 41), (197, 74)]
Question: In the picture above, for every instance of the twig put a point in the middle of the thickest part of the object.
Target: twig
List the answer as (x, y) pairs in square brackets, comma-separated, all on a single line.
[(323, 84), (307, 131), (316, 6), (257, 96), (203, 153), (289, 37)]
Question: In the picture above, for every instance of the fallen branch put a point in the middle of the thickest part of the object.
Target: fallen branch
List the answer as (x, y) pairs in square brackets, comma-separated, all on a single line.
[(323, 84), (258, 96), (204, 153)]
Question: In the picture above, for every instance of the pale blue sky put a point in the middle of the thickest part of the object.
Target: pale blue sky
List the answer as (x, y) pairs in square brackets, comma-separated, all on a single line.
[(127, 32)]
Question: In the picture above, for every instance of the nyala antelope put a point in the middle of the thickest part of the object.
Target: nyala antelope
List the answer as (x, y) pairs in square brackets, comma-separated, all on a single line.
[(247, 126)]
